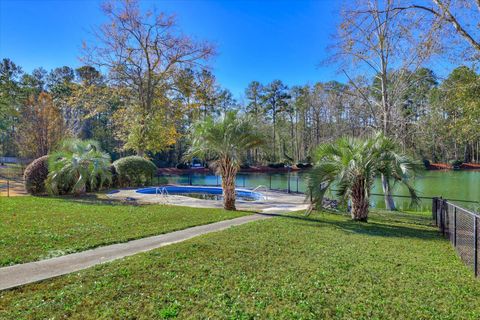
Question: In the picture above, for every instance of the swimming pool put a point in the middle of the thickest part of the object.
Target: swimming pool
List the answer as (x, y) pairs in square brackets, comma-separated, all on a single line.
[(206, 193)]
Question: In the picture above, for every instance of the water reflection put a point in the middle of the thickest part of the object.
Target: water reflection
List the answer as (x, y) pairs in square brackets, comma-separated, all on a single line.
[(453, 185)]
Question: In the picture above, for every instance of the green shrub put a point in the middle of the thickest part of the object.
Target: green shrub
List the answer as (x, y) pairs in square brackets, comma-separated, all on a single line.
[(276, 165), (35, 175), (304, 165), (183, 166), (426, 163), (456, 163), (245, 166), (134, 171)]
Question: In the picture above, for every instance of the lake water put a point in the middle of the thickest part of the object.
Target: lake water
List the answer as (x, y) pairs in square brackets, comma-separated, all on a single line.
[(452, 185)]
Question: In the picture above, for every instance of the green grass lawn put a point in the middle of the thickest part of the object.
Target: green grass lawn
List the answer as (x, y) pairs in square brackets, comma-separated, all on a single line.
[(34, 228), (323, 267)]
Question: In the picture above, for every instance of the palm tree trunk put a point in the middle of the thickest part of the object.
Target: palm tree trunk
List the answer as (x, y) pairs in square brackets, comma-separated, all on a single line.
[(228, 171), (359, 202), (387, 194)]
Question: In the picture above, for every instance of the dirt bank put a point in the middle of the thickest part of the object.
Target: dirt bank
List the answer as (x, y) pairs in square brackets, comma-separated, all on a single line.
[(446, 166)]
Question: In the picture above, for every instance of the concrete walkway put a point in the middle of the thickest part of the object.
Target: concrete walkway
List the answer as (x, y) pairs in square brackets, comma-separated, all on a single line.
[(21, 274)]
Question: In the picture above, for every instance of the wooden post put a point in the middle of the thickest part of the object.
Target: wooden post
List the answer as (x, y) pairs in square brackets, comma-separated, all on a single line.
[(8, 188)]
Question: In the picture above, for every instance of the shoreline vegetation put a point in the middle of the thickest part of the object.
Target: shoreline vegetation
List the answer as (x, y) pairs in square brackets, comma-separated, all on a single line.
[(252, 169), (266, 169)]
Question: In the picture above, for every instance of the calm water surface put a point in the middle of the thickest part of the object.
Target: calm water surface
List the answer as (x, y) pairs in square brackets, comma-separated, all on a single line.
[(455, 185)]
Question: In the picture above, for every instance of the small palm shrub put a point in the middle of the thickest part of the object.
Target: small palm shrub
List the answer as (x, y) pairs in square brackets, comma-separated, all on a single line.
[(134, 171), (35, 175), (77, 167), (352, 165)]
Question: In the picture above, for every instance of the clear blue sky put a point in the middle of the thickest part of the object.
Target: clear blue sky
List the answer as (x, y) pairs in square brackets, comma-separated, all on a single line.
[(256, 40)]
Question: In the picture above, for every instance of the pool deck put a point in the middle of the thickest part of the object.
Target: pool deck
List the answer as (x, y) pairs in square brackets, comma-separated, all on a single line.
[(274, 201)]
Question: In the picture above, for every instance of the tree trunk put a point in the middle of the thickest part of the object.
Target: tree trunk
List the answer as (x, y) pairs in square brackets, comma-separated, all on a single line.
[(228, 172), (359, 202), (387, 192)]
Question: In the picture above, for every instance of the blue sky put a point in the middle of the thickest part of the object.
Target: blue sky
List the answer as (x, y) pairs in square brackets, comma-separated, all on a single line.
[(256, 40)]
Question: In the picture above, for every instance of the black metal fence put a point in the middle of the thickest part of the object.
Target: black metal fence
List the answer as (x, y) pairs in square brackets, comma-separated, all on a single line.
[(293, 183), (460, 226)]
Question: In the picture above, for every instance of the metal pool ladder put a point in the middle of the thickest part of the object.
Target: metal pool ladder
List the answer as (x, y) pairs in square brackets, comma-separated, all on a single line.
[(162, 191), (265, 188)]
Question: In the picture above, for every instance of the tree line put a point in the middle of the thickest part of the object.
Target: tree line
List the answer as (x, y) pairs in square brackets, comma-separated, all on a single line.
[(143, 84)]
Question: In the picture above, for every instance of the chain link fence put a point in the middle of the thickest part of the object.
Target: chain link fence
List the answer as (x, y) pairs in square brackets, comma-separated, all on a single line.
[(460, 226), (11, 179)]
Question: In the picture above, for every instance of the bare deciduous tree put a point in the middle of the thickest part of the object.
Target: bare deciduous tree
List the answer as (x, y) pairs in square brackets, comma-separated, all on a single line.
[(374, 39), (142, 52)]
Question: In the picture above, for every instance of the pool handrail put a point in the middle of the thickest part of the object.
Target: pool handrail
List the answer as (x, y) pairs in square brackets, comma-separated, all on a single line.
[(265, 188), (163, 192)]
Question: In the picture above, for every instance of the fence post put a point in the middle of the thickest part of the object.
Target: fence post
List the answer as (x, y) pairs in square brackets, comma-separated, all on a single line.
[(288, 184), (297, 182), (475, 246), (442, 216), (434, 210), (455, 226), (270, 180), (8, 188), (445, 218)]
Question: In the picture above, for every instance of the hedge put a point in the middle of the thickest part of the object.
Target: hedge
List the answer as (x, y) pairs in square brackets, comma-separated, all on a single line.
[(134, 171), (35, 175)]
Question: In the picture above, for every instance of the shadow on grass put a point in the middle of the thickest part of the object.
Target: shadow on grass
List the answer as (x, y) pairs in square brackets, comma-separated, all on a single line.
[(90, 199), (387, 228)]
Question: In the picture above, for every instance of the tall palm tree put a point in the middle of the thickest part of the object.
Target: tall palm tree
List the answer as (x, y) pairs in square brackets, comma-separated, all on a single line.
[(76, 166), (223, 142), (351, 165)]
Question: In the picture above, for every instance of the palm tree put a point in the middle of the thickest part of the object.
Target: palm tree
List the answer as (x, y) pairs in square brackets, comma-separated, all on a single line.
[(223, 142), (351, 165), (76, 166)]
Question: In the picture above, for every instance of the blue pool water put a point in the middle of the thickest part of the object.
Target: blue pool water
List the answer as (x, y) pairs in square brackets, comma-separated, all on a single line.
[(203, 192)]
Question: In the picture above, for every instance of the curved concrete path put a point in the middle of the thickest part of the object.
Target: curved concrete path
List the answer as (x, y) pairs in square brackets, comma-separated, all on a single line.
[(21, 274)]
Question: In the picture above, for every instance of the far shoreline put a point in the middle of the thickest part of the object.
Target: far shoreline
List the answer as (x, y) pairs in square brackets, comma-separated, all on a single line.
[(446, 166), (266, 169), (252, 169)]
